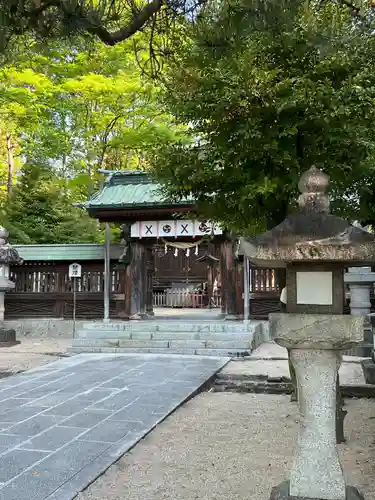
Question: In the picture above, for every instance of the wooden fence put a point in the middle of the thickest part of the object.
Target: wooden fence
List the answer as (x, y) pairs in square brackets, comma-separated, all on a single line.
[(185, 298), (264, 293), (43, 290)]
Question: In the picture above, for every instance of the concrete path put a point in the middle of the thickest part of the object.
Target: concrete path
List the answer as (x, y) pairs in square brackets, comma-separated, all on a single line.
[(65, 423)]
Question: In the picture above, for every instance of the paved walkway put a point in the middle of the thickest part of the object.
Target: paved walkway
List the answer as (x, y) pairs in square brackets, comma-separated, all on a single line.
[(65, 423)]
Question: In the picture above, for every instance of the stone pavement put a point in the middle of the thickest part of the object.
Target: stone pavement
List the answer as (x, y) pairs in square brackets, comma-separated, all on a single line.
[(65, 423)]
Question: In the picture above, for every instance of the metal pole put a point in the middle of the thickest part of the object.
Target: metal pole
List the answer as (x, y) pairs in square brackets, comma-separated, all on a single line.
[(74, 306), (246, 289), (107, 264)]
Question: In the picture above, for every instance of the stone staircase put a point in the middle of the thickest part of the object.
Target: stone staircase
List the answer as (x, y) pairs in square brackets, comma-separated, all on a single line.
[(204, 338)]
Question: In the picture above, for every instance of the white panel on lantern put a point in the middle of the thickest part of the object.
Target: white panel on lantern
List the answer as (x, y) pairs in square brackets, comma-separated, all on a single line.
[(314, 288)]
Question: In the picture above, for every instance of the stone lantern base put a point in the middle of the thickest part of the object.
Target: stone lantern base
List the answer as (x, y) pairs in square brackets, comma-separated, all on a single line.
[(316, 343), (8, 337), (281, 492)]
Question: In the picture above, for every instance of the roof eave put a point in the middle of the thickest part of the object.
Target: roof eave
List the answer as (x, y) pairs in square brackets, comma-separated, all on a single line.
[(152, 206)]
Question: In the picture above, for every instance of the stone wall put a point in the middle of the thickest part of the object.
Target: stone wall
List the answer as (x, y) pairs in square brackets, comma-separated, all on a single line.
[(44, 327)]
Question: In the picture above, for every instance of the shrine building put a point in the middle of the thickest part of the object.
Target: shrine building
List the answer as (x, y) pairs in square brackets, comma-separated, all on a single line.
[(134, 201)]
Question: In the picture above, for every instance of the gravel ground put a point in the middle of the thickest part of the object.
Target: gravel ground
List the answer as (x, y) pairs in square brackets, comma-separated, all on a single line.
[(350, 373), (272, 360), (30, 353), (227, 446)]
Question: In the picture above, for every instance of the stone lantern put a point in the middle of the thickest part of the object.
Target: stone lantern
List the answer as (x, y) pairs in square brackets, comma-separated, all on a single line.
[(314, 247), (8, 256)]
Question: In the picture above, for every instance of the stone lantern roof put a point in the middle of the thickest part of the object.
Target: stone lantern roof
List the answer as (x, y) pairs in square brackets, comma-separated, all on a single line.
[(8, 254), (312, 234)]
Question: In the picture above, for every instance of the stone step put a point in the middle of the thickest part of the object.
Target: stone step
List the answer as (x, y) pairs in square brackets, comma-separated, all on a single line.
[(170, 326), (233, 353), (133, 335), (169, 337), (190, 344)]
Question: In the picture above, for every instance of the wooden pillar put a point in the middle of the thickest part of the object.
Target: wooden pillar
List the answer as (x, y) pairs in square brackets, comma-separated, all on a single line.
[(223, 281), (210, 283), (239, 282), (134, 283), (127, 288), (228, 279), (138, 276), (149, 281), (107, 270)]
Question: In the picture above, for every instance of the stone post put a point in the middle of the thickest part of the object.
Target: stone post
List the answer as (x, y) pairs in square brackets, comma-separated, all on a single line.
[(360, 281), (316, 342), (8, 255)]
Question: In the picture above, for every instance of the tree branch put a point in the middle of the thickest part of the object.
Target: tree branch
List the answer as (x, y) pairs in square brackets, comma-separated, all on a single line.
[(92, 21), (136, 24)]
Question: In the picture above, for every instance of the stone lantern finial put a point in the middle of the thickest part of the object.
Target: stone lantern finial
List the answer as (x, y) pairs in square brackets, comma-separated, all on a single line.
[(8, 254), (313, 186), (4, 234)]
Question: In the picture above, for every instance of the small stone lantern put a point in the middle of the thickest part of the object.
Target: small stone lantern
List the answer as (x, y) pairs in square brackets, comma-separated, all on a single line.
[(315, 247), (8, 256)]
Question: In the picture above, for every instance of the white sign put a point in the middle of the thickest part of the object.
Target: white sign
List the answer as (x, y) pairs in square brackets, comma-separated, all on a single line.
[(173, 228), (314, 288), (75, 270)]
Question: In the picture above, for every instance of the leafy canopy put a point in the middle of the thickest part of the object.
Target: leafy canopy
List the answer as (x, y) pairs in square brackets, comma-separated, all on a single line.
[(267, 90), (72, 109), (40, 210)]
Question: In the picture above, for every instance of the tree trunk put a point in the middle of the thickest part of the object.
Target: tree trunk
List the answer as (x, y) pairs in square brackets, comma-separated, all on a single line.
[(10, 160)]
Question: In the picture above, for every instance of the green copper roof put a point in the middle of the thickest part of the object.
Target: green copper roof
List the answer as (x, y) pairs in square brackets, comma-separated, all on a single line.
[(130, 190), (71, 253)]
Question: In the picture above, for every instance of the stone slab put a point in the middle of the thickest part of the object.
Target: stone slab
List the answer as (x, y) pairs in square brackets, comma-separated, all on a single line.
[(281, 492), (54, 438), (112, 401), (87, 418), (368, 367), (316, 331), (34, 426), (14, 462)]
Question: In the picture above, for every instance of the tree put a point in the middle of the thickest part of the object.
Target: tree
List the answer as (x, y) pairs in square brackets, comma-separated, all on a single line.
[(85, 106), (110, 21), (73, 108), (267, 91), (40, 210)]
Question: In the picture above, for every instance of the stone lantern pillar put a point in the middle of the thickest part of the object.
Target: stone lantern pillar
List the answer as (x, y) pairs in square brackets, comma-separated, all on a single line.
[(8, 256), (360, 281), (314, 247)]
